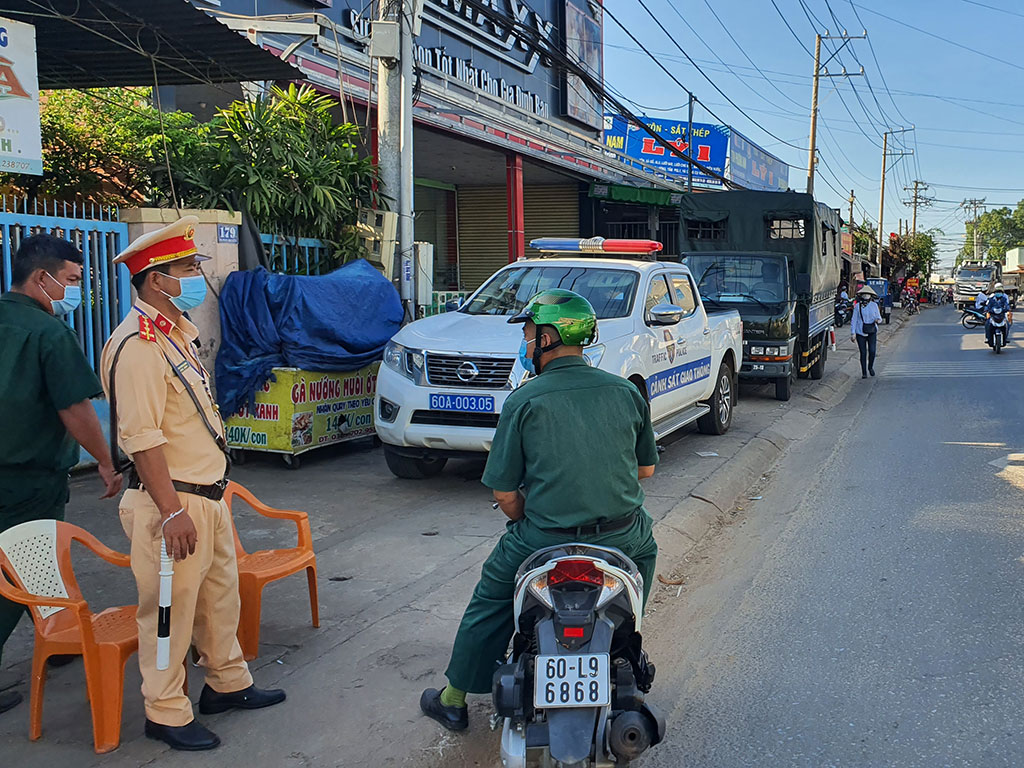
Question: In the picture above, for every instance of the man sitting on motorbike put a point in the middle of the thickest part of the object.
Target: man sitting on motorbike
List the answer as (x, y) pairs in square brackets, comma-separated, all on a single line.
[(998, 301), (578, 440), (981, 300)]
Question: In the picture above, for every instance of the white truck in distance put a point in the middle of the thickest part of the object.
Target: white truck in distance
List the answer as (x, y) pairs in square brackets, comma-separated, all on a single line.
[(445, 378)]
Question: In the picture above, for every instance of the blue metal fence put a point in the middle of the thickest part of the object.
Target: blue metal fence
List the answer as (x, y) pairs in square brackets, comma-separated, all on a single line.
[(295, 255), (97, 233)]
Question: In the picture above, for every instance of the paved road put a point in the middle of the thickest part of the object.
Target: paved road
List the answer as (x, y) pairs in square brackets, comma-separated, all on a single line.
[(867, 611)]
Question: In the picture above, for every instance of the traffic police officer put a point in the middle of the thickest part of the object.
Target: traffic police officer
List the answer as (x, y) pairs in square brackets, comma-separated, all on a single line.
[(579, 440), (168, 424)]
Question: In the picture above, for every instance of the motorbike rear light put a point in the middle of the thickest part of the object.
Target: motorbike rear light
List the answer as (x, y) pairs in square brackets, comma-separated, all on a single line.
[(575, 570), (572, 632)]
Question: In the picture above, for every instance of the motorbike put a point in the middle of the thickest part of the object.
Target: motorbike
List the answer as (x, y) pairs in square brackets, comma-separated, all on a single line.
[(972, 318), (844, 311), (998, 319), (572, 690), (912, 306)]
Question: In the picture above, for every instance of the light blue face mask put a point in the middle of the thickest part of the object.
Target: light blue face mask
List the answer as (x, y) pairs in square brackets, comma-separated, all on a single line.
[(193, 292), (71, 300), (525, 360)]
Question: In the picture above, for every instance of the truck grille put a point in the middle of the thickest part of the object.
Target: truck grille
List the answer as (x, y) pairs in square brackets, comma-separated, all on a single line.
[(456, 419), (490, 372)]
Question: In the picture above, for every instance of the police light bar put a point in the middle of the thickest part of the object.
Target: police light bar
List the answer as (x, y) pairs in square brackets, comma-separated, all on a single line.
[(595, 245)]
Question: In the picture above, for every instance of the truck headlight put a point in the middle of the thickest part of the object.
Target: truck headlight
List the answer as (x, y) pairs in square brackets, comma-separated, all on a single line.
[(757, 350), (593, 355), (408, 362)]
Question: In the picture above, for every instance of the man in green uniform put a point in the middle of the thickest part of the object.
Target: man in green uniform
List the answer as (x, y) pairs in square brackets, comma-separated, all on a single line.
[(578, 440), (45, 387)]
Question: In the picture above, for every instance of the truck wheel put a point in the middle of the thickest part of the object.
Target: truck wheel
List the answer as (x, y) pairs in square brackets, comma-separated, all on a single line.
[(409, 468), (718, 421), (818, 369)]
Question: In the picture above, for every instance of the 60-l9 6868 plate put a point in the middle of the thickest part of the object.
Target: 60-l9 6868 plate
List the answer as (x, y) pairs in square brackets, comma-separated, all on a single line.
[(577, 680)]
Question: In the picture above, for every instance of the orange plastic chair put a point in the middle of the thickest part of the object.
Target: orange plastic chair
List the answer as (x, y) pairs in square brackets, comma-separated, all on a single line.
[(36, 558), (257, 569)]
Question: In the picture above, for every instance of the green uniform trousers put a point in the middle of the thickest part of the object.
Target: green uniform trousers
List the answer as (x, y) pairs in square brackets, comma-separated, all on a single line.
[(30, 497), (488, 623)]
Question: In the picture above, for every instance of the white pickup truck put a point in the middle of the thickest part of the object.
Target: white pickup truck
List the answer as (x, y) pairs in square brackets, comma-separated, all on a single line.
[(445, 378)]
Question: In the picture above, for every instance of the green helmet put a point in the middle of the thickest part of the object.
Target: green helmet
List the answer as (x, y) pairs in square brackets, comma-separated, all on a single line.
[(566, 311)]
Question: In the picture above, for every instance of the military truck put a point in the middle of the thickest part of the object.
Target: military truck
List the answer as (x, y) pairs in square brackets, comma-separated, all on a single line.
[(774, 256)]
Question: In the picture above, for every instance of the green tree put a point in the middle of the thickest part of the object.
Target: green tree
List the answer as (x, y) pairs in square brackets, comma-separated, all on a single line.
[(106, 146), (915, 254), (285, 161), (999, 230)]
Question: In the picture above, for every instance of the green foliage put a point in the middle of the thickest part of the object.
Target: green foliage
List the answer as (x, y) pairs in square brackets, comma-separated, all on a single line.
[(285, 160), (999, 230), (105, 146), (916, 254)]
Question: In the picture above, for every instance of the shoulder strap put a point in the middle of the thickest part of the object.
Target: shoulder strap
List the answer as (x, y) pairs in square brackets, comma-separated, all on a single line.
[(115, 453), (217, 437)]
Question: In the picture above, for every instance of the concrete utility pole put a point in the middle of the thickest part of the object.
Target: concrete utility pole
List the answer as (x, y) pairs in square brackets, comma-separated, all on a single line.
[(850, 201), (918, 199), (881, 195), (974, 204), (821, 71)]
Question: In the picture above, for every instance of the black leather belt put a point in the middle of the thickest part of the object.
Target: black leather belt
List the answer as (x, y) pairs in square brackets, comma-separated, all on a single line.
[(214, 492), (592, 530)]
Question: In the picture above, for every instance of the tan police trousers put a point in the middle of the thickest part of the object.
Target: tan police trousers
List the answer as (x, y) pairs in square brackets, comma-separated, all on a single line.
[(204, 604)]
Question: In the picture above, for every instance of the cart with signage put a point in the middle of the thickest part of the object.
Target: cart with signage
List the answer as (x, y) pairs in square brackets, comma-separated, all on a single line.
[(299, 411), (881, 286)]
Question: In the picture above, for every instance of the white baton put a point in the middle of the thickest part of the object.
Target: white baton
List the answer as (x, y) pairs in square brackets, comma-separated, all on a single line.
[(163, 622)]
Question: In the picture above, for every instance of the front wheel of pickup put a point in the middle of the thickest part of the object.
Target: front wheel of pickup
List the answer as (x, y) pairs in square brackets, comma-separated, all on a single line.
[(718, 421), (410, 468)]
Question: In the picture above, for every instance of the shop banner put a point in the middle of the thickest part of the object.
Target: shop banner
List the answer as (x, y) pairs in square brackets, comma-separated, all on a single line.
[(21, 150), (754, 168), (303, 410), (710, 146)]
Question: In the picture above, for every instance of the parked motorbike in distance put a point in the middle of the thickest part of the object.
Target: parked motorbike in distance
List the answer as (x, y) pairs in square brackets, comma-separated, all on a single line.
[(997, 317), (972, 318), (572, 690), (912, 307), (844, 311)]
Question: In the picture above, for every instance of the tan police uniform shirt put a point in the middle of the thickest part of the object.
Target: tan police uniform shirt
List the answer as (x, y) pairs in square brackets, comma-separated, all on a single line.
[(153, 406)]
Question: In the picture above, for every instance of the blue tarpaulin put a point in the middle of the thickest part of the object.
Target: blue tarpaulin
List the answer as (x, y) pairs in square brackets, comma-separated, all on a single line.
[(335, 322)]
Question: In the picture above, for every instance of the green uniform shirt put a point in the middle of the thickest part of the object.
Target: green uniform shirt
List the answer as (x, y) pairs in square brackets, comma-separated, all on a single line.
[(42, 371), (574, 436)]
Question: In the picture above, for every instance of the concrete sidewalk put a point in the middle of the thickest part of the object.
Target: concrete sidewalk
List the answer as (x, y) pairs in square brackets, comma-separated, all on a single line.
[(398, 561)]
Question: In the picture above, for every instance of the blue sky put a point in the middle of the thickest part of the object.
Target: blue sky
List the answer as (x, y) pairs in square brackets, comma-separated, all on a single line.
[(968, 108)]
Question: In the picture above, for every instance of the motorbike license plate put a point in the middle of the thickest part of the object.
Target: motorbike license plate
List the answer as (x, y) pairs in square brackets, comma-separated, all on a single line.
[(472, 403), (580, 680)]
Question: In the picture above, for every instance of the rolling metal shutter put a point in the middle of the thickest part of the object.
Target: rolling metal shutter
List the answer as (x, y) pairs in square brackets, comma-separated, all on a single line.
[(551, 212), (483, 234)]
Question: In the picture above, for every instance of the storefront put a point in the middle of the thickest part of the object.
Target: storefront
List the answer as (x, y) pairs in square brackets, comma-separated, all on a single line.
[(504, 142)]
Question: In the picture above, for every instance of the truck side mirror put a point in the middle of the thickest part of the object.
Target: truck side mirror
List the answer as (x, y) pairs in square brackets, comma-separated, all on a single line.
[(803, 283), (452, 306)]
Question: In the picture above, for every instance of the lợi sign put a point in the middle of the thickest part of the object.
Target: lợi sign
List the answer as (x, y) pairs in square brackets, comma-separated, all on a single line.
[(708, 145), (21, 149)]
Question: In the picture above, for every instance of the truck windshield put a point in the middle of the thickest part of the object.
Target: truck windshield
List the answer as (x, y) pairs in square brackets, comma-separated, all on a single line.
[(975, 274), (740, 279), (610, 291)]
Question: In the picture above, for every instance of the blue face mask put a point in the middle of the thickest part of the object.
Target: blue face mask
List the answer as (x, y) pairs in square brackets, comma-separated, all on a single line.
[(525, 360), (71, 300), (193, 292)]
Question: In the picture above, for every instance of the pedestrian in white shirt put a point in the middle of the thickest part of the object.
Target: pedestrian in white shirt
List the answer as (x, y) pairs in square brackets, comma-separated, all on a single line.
[(981, 300), (864, 328)]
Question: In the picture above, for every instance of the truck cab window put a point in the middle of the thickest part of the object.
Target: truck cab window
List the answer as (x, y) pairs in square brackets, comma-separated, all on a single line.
[(684, 295), (658, 293)]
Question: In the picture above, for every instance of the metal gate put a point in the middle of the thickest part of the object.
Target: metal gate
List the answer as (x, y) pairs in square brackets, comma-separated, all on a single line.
[(97, 233)]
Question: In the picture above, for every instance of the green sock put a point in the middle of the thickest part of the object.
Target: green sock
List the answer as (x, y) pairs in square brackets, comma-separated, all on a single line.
[(453, 697)]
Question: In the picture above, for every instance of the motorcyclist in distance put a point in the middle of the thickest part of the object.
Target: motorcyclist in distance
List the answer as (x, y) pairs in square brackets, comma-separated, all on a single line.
[(997, 301)]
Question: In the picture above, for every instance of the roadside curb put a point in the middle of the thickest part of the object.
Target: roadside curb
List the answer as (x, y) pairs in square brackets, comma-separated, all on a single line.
[(689, 521)]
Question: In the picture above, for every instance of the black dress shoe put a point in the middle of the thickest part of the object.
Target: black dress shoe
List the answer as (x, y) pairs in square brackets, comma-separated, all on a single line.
[(211, 702), (186, 738), (9, 700), (452, 718)]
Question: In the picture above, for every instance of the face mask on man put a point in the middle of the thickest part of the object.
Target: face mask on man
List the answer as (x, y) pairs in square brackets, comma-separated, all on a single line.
[(193, 292), (69, 302), (524, 359)]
